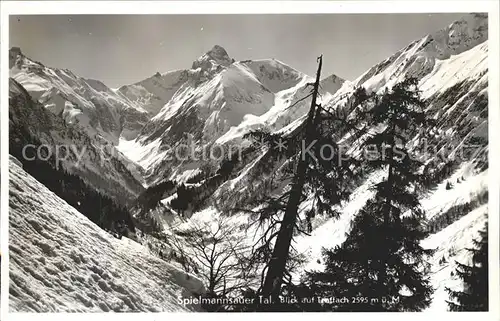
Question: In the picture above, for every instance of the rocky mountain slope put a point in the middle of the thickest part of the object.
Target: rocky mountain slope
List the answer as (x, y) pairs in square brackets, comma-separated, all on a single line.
[(219, 100), (453, 82), (90, 157), (425, 56), (89, 103), (153, 93)]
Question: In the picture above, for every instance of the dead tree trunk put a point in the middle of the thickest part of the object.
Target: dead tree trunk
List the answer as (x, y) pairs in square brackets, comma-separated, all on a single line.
[(277, 265)]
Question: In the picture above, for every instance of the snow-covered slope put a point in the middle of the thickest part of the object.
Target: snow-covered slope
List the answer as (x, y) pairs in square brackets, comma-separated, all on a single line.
[(425, 56), (86, 102), (90, 157), (153, 93), (217, 102), (62, 262), (453, 73), (452, 69), (455, 91), (450, 246)]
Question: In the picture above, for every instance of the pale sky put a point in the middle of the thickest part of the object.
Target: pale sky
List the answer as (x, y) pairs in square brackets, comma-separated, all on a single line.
[(123, 49)]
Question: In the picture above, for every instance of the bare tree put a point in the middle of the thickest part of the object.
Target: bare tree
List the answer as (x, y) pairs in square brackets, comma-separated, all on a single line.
[(280, 255), (215, 253), (307, 174)]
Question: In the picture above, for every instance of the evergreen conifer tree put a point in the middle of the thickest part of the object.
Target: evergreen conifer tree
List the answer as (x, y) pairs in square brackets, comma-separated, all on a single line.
[(474, 296), (381, 266)]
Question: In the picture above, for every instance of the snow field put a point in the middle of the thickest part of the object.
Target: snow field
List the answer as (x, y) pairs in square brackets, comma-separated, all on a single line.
[(62, 262)]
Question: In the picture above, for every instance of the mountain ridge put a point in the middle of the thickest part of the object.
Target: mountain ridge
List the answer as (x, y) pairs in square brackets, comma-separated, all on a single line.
[(220, 100), (86, 102)]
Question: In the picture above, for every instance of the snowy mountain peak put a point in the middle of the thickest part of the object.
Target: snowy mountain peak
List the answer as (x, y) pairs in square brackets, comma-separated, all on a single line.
[(86, 103), (420, 57), (459, 36), (218, 53), (212, 59), (332, 83), (152, 93)]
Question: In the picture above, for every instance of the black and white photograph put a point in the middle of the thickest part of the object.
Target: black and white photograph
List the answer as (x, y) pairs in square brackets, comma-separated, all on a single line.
[(285, 162)]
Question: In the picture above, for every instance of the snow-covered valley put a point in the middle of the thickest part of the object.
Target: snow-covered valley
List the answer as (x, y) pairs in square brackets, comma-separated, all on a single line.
[(61, 260)]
